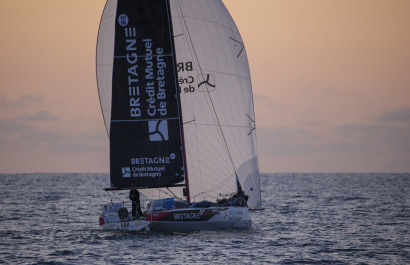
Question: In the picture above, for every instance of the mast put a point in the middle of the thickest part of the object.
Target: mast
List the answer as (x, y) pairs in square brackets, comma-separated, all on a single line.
[(188, 195), (186, 191)]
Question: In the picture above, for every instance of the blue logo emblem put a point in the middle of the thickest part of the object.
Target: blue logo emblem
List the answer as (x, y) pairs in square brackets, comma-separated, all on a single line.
[(123, 20), (158, 130), (126, 172)]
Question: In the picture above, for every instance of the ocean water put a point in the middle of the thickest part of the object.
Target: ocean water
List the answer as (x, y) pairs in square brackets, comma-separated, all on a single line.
[(308, 219)]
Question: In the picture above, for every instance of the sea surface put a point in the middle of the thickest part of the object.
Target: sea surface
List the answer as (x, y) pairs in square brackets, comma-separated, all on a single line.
[(308, 219)]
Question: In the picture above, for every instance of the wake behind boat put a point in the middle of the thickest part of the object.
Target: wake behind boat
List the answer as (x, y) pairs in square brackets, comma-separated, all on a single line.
[(176, 97)]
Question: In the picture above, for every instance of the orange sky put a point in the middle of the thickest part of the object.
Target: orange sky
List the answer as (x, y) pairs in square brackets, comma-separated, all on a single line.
[(330, 78)]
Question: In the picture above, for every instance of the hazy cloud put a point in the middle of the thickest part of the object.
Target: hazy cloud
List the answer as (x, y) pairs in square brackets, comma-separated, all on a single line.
[(287, 141), (257, 97), (40, 115), (383, 137), (399, 116), (17, 133), (6, 102), (75, 147), (11, 126), (35, 135), (348, 138)]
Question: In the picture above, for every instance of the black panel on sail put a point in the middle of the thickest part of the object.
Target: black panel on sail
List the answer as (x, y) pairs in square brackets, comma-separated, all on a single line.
[(145, 133)]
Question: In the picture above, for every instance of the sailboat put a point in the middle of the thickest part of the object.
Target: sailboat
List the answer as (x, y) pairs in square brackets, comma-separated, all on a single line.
[(176, 97)]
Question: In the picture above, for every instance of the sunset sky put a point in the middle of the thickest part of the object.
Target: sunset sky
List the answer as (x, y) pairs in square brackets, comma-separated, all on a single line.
[(331, 82)]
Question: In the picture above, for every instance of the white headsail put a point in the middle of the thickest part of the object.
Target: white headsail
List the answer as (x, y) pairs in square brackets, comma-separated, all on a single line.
[(217, 102)]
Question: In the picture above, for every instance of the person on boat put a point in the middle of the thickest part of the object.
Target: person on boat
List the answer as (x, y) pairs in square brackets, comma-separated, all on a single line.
[(136, 205)]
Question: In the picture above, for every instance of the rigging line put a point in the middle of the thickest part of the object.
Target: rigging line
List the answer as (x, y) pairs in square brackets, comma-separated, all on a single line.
[(229, 82), (192, 152), (208, 173), (179, 100), (212, 172), (211, 147), (189, 121), (217, 169), (216, 133), (220, 142), (210, 98), (213, 22), (159, 195), (246, 141), (208, 154), (221, 182), (221, 125), (212, 136), (234, 107), (199, 158), (214, 188), (150, 193), (174, 194)]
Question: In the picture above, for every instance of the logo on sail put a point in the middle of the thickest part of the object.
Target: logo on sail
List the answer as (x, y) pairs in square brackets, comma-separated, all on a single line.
[(126, 172), (158, 130), (206, 83), (123, 20)]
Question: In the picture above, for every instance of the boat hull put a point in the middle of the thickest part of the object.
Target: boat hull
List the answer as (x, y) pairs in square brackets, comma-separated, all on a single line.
[(189, 220), (184, 220), (129, 225)]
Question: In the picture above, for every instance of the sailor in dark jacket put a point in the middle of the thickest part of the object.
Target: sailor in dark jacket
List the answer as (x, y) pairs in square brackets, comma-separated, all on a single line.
[(136, 205)]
